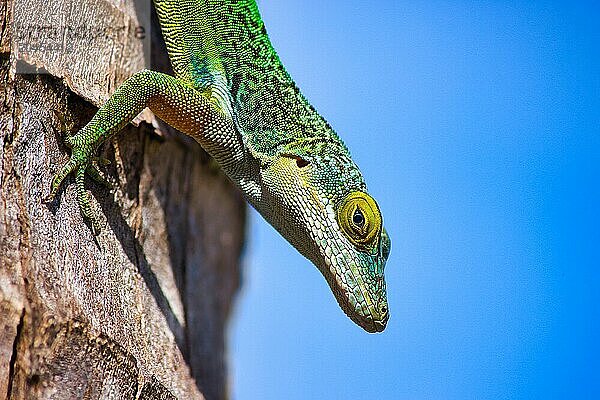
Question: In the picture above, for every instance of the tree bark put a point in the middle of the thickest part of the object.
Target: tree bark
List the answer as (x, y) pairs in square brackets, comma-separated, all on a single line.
[(139, 312)]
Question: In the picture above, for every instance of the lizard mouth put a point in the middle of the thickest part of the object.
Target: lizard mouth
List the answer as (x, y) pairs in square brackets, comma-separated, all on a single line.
[(369, 323), (371, 317), (362, 300), (381, 323)]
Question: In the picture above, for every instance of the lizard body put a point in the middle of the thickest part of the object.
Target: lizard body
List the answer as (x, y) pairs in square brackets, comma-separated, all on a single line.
[(232, 94)]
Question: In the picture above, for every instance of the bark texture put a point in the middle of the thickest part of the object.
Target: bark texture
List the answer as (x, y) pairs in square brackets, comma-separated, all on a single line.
[(141, 311)]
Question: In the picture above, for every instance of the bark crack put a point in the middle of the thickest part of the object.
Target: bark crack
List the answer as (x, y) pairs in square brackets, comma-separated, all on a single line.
[(13, 356), (4, 31)]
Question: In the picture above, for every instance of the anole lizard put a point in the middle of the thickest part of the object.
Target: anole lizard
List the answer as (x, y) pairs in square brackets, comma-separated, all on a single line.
[(232, 94)]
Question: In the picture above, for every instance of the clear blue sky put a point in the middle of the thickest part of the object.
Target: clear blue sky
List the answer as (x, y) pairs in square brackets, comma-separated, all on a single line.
[(476, 125)]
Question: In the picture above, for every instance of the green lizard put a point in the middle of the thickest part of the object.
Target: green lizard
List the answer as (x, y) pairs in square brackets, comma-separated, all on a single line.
[(232, 94)]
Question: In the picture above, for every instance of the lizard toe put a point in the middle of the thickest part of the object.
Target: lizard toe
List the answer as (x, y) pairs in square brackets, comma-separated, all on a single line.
[(96, 175), (85, 204), (58, 179)]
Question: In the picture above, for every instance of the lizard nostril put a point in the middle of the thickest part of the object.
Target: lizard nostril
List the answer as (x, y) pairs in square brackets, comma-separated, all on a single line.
[(383, 309)]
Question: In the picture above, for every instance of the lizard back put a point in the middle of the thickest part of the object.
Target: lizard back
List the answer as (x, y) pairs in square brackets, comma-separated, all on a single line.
[(223, 46)]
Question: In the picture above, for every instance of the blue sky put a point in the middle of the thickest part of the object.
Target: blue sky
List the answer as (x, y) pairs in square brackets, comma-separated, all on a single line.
[(477, 127)]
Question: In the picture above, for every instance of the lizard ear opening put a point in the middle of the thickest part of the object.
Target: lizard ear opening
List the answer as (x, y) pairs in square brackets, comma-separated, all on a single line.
[(301, 162)]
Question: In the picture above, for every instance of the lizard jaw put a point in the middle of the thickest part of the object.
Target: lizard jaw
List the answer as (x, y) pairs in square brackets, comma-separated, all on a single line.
[(366, 308)]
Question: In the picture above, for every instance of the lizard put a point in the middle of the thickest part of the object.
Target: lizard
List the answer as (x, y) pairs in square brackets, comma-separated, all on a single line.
[(232, 94)]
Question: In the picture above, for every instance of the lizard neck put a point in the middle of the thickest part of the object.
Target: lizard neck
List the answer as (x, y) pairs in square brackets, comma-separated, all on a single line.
[(267, 105)]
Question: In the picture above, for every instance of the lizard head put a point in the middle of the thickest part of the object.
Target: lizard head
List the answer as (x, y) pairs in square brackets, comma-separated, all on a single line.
[(317, 199)]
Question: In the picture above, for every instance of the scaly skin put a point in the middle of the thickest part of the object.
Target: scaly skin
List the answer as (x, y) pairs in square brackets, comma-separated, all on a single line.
[(232, 94)]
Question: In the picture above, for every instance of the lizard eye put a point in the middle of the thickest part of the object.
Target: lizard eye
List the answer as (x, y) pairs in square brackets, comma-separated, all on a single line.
[(360, 220)]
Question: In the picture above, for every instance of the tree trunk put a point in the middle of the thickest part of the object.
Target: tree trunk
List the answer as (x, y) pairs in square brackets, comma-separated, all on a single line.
[(141, 310)]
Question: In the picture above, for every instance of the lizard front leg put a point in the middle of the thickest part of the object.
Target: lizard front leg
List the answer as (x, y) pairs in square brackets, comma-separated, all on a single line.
[(178, 104)]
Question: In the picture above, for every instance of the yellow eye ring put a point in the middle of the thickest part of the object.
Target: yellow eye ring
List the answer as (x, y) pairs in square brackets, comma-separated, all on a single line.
[(360, 219)]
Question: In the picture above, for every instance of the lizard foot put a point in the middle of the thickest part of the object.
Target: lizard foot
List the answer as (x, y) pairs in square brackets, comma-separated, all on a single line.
[(81, 161)]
